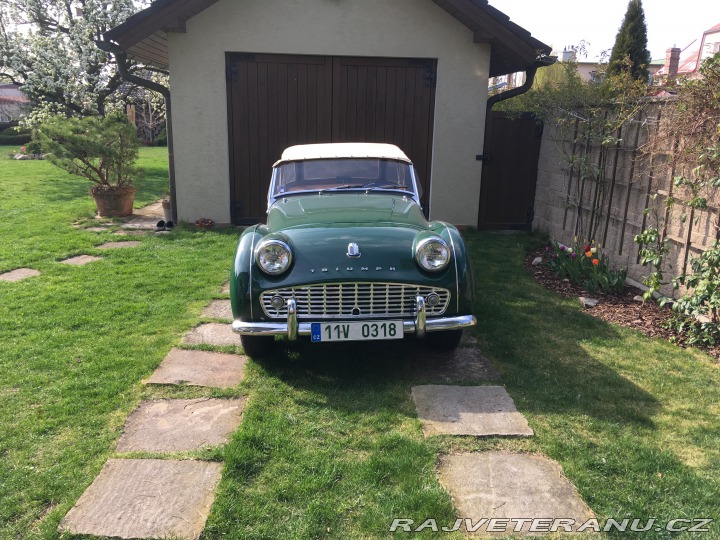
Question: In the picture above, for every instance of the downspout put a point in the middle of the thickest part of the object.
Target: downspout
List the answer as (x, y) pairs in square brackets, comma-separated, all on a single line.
[(542, 61), (121, 59)]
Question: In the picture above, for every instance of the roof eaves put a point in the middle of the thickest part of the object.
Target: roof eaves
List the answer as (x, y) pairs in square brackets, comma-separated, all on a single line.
[(513, 47), (132, 21)]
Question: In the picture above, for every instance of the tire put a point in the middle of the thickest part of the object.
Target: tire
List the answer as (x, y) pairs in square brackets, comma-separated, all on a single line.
[(444, 340), (257, 346)]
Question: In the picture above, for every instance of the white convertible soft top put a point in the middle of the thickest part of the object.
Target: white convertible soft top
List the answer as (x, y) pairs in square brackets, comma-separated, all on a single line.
[(342, 150)]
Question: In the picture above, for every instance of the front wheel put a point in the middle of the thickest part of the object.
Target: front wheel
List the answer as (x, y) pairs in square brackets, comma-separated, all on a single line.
[(444, 340), (257, 346)]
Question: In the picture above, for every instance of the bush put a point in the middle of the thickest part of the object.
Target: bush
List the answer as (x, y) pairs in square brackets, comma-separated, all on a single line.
[(585, 264), (14, 136), (161, 139), (701, 301), (34, 147), (102, 150)]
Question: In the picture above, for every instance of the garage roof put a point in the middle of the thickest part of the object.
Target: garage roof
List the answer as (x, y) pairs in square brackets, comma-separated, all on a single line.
[(144, 35)]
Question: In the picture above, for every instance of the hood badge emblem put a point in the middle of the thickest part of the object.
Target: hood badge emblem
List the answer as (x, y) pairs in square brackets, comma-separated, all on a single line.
[(353, 250)]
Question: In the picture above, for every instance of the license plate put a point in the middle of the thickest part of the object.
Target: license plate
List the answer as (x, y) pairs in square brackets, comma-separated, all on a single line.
[(356, 331)]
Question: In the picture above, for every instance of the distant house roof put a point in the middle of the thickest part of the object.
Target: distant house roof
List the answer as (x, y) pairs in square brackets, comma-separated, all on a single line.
[(144, 35), (690, 58), (11, 93)]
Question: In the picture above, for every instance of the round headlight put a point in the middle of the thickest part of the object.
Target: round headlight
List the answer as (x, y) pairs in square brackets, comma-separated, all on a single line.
[(273, 257), (432, 254)]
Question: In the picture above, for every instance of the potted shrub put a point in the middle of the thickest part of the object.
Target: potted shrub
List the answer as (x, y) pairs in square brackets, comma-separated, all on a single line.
[(101, 150)]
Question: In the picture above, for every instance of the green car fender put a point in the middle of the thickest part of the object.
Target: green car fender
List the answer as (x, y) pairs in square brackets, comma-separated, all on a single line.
[(463, 264), (241, 278), (465, 292)]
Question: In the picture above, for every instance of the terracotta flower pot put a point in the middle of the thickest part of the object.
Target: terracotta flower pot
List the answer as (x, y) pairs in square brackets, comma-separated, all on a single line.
[(113, 202), (204, 223)]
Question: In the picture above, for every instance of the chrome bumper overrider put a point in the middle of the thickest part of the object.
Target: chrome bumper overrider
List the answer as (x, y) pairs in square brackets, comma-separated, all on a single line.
[(292, 328)]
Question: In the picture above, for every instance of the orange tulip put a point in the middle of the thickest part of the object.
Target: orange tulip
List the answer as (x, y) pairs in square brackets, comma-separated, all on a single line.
[(596, 262), (588, 254)]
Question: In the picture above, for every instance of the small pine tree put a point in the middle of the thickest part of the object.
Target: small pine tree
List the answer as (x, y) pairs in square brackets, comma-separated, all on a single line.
[(630, 52), (102, 150)]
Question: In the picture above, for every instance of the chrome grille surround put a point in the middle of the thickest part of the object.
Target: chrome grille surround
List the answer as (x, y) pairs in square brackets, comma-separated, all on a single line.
[(354, 300)]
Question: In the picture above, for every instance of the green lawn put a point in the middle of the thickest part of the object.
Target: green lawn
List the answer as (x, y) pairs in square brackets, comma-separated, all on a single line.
[(329, 446)]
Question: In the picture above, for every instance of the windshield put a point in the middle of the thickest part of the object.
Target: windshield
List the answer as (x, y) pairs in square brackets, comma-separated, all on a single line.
[(342, 174)]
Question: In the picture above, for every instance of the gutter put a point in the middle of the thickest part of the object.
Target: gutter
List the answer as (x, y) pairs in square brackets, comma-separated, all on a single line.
[(541, 61), (120, 59)]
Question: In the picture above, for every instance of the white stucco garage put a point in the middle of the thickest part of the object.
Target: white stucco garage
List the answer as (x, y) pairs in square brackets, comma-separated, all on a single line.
[(249, 77)]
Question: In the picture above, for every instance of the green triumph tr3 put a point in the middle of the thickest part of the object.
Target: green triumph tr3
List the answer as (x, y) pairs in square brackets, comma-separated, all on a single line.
[(347, 255)]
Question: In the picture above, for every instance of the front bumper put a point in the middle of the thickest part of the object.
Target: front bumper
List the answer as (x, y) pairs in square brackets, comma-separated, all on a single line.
[(292, 328)]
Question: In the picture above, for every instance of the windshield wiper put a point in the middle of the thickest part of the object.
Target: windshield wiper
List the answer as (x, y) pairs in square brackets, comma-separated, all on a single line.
[(392, 187), (338, 188), (367, 187)]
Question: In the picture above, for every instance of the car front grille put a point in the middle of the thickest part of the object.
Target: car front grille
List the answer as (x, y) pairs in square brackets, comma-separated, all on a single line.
[(355, 300)]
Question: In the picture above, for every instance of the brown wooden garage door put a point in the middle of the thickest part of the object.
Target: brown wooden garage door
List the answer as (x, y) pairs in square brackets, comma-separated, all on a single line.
[(276, 101)]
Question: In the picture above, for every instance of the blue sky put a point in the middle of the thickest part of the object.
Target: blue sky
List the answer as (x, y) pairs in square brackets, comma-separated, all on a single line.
[(566, 22)]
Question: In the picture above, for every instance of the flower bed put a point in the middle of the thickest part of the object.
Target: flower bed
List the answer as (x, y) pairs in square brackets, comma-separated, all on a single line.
[(620, 307)]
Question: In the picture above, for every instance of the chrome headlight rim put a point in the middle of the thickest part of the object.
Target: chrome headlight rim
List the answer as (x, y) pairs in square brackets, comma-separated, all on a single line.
[(273, 242), (423, 243)]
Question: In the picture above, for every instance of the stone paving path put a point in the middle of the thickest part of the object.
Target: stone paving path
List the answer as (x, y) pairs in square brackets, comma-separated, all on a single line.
[(218, 309), (200, 368), (464, 364), (80, 260), (146, 498), (493, 485), (145, 218), (134, 232), (211, 334), (505, 485), (468, 410), (18, 274), (150, 498), (175, 425)]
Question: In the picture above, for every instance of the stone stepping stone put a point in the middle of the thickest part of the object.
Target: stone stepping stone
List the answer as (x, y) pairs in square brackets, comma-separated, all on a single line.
[(145, 218), (18, 274), (509, 486), (152, 210), (200, 368), (225, 288), (115, 245), (146, 498), (97, 229), (468, 410), (218, 309), (81, 260), (142, 222), (175, 425), (462, 364), (212, 334), (131, 233)]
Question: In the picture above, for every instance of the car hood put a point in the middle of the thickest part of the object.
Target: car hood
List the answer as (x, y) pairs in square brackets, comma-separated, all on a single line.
[(332, 209), (319, 229)]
